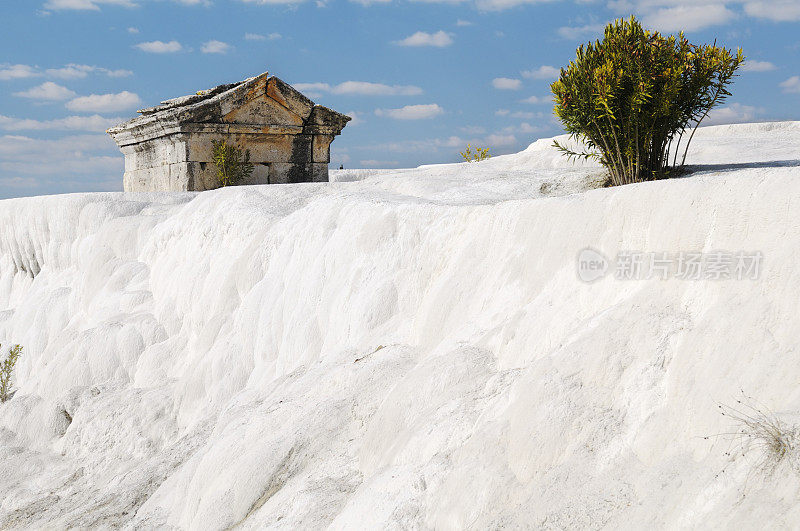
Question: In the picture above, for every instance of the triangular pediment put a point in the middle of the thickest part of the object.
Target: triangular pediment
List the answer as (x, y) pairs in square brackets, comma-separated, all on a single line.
[(265, 101), (262, 104)]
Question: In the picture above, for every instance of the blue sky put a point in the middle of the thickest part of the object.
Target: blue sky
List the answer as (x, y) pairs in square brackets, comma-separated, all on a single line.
[(421, 78)]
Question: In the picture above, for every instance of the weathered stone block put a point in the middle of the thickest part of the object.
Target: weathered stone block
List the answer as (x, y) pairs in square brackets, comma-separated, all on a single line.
[(319, 172), (322, 148), (284, 173), (263, 148)]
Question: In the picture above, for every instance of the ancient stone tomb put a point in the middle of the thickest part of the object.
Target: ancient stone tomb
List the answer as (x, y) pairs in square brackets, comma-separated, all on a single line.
[(168, 147)]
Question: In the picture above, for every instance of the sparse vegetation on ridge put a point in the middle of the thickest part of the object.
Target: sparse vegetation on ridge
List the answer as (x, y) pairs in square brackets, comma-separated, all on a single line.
[(633, 97), (7, 371), (478, 155)]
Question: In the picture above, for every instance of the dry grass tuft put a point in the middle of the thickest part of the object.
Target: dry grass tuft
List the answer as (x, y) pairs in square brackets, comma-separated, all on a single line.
[(759, 436)]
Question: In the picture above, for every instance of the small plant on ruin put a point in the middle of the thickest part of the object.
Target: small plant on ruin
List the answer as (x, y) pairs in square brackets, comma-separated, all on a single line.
[(478, 155), (633, 97), (233, 164), (7, 371)]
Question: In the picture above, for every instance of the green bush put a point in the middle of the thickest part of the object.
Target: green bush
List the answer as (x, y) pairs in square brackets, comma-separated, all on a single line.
[(233, 165), (632, 97), (479, 154), (7, 370)]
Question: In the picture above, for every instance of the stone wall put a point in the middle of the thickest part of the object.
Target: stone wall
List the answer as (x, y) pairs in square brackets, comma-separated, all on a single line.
[(184, 162)]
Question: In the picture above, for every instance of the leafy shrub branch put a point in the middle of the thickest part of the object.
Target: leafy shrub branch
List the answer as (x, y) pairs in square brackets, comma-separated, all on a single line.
[(632, 97), (233, 164), (7, 371)]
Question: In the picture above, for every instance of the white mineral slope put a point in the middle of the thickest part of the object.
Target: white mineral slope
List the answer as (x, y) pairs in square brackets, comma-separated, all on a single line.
[(410, 349)]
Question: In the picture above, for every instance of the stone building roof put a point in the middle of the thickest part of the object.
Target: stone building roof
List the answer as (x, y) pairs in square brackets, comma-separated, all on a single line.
[(231, 109)]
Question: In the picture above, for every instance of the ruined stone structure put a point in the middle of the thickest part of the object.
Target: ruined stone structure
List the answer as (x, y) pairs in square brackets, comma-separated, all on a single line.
[(168, 147)]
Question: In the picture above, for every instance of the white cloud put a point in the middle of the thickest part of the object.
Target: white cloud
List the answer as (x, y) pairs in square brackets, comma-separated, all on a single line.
[(733, 114), (74, 163), (451, 144), (47, 91), (214, 46), (536, 100), (473, 130), (69, 71), (527, 115), (791, 85), (95, 123), (79, 163), (757, 66), (365, 88), (319, 3), (19, 182), (524, 128), (776, 10), (133, 31), (104, 102), (117, 73), (259, 37), (439, 1), (424, 145), (17, 72), (312, 90), (440, 39), (361, 88), (276, 2), (367, 2), (574, 33), (71, 154), (505, 83), (160, 47), (357, 118), (543, 72), (94, 5), (499, 5), (412, 112), (323, 87), (688, 17), (76, 71), (523, 115), (462, 23), (500, 140), (85, 5)]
